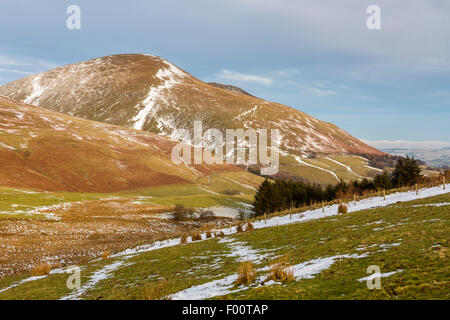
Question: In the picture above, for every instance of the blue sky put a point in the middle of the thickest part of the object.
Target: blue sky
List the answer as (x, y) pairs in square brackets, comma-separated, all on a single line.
[(316, 56)]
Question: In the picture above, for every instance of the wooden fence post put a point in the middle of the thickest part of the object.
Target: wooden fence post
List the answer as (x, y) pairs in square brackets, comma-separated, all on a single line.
[(354, 199), (417, 190), (384, 194), (443, 182), (323, 207)]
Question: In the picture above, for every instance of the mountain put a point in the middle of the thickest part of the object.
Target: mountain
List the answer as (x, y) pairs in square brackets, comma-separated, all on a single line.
[(146, 92), (230, 88), (149, 93), (43, 149)]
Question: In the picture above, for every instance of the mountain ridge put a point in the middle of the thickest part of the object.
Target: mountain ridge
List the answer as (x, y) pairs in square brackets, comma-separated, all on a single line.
[(149, 93), (146, 92), (231, 88)]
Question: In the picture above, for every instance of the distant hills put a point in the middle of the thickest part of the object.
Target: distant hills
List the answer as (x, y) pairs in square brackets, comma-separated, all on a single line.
[(435, 157)]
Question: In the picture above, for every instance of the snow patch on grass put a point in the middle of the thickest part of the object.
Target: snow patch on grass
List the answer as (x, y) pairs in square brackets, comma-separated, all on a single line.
[(22, 282), (309, 269), (4, 145), (432, 205), (220, 287), (102, 274), (382, 275), (299, 160), (242, 252), (208, 290), (349, 169), (252, 110)]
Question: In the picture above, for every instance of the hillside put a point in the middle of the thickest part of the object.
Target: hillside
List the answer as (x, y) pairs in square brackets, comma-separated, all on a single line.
[(146, 92), (46, 150), (230, 88), (405, 235)]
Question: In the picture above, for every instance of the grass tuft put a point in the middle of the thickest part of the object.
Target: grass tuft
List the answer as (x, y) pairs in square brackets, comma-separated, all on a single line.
[(249, 226), (41, 270), (246, 273), (157, 292), (184, 238), (281, 270), (195, 235), (105, 255), (342, 209)]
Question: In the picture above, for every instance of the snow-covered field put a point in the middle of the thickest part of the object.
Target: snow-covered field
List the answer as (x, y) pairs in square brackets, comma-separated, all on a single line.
[(223, 286), (360, 205), (304, 270)]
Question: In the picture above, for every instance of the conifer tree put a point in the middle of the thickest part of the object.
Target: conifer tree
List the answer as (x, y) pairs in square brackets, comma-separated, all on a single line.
[(261, 201), (406, 172), (383, 181)]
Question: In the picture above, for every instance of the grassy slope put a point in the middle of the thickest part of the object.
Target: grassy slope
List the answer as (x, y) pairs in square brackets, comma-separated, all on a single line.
[(45, 150), (421, 231), (207, 192), (15, 203), (357, 165)]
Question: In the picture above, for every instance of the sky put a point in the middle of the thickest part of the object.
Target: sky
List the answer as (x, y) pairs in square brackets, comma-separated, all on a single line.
[(391, 84)]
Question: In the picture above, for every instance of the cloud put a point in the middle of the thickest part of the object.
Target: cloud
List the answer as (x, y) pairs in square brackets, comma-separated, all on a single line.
[(390, 144), (242, 77), (6, 60), (321, 92), (287, 72), (23, 61), (15, 71), (13, 67)]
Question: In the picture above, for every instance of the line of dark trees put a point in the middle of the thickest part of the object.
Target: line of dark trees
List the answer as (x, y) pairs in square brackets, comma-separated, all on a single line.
[(280, 195)]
